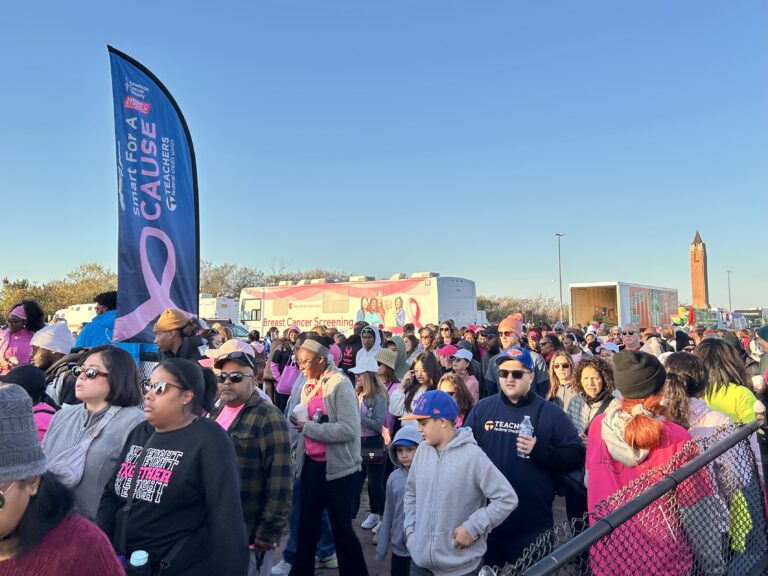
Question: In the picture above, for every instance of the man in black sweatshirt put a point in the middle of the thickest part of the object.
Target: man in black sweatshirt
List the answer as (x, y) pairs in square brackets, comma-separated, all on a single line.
[(554, 448)]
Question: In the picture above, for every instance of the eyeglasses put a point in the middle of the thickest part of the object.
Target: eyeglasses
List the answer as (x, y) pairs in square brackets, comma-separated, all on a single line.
[(306, 362), (159, 387), (2, 494), (506, 333), (516, 374), (564, 365), (16, 321), (89, 373), (545, 343), (234, 377), (628, 333)]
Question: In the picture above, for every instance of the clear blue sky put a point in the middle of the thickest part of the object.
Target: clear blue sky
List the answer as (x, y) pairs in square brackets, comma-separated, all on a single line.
[(378, 137)]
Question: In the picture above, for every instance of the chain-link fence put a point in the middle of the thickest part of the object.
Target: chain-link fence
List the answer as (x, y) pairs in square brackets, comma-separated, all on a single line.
[(704, 513), (147, 363)]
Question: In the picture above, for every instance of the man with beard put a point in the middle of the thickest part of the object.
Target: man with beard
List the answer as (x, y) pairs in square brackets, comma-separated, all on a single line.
[(263, 447), (510, 330)]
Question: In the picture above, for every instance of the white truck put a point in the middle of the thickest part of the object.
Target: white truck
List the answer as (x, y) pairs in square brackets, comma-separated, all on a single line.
[(619, 303), (421, 299)]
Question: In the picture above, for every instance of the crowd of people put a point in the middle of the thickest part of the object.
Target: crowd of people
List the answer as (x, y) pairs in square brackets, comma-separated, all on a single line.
[(461, 436)]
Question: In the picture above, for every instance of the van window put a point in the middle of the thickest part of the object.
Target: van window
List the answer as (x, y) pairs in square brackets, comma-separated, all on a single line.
[(250, 309)]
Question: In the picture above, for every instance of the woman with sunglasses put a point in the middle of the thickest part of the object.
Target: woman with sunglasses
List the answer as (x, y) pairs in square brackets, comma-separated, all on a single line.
[(562, 386), (108, 387), (548, 345), (447, 334), (185, 507), (40, 533)]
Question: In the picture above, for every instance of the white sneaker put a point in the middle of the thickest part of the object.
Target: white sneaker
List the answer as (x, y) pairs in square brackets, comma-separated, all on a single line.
[(281, 568), (370, 522), (375, 529)]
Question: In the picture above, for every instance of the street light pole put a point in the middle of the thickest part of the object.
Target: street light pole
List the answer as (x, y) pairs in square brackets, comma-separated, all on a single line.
[(560, 274), (730, 308)]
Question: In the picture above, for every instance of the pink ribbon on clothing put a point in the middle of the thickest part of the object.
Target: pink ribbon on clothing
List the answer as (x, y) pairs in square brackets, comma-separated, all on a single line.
[(134, 323)]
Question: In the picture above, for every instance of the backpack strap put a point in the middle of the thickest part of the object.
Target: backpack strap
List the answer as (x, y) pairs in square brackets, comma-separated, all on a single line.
[(603, 407)]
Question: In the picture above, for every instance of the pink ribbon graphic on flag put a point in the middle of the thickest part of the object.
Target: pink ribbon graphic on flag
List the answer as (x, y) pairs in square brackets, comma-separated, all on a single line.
[(134, 323)]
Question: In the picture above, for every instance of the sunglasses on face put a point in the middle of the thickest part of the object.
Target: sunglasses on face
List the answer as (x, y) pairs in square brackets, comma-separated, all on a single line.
[(545, 343), (158, 387), (516, 374), (562, 366), (234, 377), (630, 333), (89, 373), (445, 329)]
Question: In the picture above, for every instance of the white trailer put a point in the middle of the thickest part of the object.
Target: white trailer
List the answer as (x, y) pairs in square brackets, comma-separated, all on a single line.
[(621, 303), (76, 315), (218, 308), (420, 299)]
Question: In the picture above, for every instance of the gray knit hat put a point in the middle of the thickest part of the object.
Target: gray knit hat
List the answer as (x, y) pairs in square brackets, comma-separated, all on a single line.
[(20, 454)]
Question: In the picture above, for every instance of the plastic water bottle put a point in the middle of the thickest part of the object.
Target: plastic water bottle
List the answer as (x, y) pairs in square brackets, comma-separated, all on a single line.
[(138, 564), (526, 429)]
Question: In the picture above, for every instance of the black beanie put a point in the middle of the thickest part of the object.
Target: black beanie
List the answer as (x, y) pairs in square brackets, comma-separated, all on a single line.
[(637, 374), (682, 340)]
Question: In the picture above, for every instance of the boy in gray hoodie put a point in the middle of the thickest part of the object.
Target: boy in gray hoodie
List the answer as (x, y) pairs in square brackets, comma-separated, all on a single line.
[(391, 533), (454, 495)]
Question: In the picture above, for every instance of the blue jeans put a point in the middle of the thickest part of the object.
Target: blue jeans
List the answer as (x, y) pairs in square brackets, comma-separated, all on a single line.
[(325, 544)]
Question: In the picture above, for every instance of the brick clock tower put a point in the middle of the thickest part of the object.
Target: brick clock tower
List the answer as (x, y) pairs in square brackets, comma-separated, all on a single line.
[(699, 282)]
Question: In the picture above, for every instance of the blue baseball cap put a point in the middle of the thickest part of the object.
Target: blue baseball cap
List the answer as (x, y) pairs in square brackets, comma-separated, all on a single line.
[(517, 354), (434, 404)]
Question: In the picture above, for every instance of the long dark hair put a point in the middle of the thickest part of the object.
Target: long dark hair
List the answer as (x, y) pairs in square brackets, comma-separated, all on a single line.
[(461, 393), (723, 364), (192, 376), (46, 510), (432, 367)]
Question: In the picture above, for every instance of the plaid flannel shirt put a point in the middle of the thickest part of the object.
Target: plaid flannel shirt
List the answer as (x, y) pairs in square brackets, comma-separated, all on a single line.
[(263, 447)]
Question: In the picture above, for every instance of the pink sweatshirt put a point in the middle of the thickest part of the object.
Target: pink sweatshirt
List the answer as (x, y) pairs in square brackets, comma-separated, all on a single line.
[(659, 525)]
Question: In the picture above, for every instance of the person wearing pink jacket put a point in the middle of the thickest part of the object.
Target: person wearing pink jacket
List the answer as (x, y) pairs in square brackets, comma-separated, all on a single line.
[(633, 439)]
